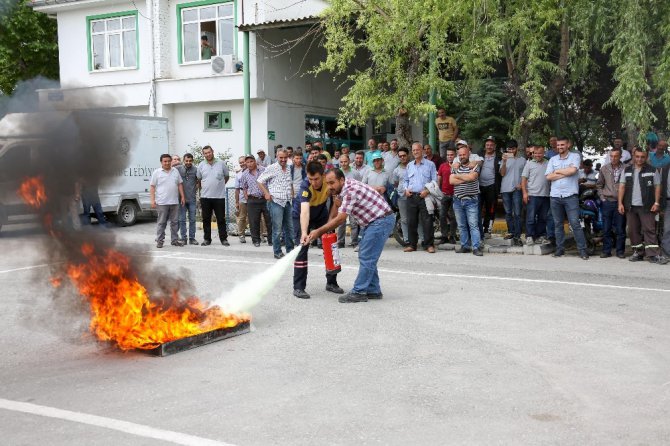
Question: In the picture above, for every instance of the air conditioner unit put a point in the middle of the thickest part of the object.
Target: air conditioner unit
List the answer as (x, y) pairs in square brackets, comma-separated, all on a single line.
[(223, 64)]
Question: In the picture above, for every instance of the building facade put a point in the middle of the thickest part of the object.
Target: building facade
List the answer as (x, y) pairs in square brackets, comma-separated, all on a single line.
[(233, 74)]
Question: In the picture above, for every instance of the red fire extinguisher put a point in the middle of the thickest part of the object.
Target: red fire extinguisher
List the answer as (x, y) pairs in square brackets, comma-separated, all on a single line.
[(331, 253)]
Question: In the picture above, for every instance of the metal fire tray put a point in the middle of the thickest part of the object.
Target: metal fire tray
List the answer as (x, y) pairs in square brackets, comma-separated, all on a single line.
[(179, 345)]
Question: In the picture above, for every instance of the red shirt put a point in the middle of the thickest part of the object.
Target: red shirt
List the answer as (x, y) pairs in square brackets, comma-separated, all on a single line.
[(445, 172)]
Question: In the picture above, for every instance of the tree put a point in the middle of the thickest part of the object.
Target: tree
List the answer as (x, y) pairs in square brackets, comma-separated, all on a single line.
[(408, 47), (28, 44)]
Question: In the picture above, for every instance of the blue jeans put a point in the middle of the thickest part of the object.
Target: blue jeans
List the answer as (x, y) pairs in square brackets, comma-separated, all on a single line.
[(281, 221), (467, 217), (512, 202), (560, 207), (613, 221), (97, 209), (551, 227), (536, 216), (373, 238), (190, 207)]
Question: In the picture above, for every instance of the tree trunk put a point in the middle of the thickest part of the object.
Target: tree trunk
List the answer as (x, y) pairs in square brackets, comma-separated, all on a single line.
[(525, 128), (403, 129)]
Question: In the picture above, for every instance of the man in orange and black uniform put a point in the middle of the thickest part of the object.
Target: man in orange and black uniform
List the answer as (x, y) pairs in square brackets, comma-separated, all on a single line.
[(311, 208)]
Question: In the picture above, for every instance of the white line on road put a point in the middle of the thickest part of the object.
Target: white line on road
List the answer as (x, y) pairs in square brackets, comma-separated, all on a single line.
[(109, 423), (446, 275), (25, 268)]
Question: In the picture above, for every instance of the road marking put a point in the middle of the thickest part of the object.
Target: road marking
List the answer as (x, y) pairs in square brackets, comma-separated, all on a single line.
[(109, 423), (26, 268), (445, 275)]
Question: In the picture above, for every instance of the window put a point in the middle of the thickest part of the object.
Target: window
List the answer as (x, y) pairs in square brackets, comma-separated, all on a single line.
[(219, 120), (112, 41), (324, 129), (206, 29)]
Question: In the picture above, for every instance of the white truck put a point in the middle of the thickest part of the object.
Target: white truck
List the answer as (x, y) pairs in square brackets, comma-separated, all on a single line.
[(124, 196)]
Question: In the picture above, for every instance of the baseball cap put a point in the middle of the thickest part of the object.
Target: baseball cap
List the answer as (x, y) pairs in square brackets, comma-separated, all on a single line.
[(261, 150), (461, 142), (249, 157), (377, 156), (343, 145), (490, 138)]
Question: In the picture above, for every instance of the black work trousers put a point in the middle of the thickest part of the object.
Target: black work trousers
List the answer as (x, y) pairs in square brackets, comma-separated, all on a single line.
[(417, 206), (218, 207), (487, 199), (257, 207), (300, 263)]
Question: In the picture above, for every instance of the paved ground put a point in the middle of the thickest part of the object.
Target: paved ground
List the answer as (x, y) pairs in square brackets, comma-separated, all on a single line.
[(504, 349)]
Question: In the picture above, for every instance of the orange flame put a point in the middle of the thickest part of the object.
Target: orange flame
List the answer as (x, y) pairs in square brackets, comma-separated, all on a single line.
[(32, 192), (122, 311)]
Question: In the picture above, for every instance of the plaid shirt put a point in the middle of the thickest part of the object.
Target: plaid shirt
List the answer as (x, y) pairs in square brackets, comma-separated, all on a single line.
[(363, 202), (249, 183), (279, 183)]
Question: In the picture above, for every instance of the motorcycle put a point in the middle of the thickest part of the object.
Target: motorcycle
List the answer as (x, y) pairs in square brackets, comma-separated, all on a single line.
[(591, 219)]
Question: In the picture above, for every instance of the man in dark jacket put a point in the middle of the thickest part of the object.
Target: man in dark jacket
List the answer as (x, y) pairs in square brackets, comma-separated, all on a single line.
[(489, 184), (639, 197)]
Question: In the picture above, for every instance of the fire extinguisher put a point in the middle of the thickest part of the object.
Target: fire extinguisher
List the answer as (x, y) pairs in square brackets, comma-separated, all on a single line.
[(331, 252)]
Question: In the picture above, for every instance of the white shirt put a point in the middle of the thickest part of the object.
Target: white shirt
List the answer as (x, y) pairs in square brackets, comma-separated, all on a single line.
[(167, 184)]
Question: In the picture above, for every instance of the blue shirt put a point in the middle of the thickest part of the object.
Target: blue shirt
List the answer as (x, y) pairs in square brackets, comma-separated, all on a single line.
[(418, 175), (568, 185), (659, 163)]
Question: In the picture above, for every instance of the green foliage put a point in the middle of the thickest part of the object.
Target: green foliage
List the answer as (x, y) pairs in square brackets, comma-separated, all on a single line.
[(403, 48), (28, 44)]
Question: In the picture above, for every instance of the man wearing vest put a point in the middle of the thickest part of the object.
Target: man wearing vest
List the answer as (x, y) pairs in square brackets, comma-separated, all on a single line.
[(640, 199)]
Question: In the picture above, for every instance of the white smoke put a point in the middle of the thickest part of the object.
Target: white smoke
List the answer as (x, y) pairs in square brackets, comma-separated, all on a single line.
[(248, 293)]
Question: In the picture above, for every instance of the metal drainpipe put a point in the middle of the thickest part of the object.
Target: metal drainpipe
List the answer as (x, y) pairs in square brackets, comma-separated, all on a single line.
[(247, 93), (432, 137), (153, 103)]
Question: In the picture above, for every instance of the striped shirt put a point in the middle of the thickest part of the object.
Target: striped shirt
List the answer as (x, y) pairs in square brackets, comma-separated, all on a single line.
[(469, 189), (249, 182), (279, 183), (362, 202)]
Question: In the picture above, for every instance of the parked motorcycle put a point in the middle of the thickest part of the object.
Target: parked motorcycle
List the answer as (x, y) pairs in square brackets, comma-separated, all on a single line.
[(591, 219)]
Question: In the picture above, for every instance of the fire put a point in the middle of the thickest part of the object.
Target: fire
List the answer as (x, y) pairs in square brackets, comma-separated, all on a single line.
[(123, 312), (32, 192)]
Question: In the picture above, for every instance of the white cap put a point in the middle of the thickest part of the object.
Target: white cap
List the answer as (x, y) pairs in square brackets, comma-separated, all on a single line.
[(461, 142)]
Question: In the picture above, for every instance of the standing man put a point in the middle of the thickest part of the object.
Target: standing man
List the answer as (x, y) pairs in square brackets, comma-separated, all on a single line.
[(213, 176), (447, 131), (535, 188), (419, 173), (391, 159), (241, 209), (372, 151), (398, 180), (489, 184), (310, 211), (660, 158), (257, 205), (564, 196), (378, 178), (640, 199), (349, 173), (176, 160), (189, 177), (665, 202), (91, 199), (613, 221), (166, 192), (448, 222), (298, 173), (617, 143), (359, 164), (553, 147), (432, 157), (510, 188), (263, 160), (277, 186), (206, 50), (465, 180), (376, 220)]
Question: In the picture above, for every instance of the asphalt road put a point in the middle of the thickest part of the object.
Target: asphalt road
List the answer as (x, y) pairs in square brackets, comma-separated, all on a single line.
[(504, 349)]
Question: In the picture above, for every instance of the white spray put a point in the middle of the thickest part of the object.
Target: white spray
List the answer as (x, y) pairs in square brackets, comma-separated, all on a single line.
[(248, 293)]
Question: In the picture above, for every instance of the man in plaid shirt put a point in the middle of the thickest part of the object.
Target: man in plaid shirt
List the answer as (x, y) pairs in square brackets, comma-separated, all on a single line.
[(376, 220)]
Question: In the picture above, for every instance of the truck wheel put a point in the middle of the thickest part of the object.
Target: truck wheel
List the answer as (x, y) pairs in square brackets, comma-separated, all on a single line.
[(127, 215)]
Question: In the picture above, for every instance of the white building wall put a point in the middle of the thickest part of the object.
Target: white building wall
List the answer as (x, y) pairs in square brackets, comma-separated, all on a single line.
[(189, 127), (73, 49)]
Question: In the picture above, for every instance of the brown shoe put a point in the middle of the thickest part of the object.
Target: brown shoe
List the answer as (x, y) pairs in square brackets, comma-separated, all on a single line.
[(431, 250), (409, 249)]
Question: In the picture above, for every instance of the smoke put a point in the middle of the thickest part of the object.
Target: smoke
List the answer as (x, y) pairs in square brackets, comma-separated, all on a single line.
[(248, 293)]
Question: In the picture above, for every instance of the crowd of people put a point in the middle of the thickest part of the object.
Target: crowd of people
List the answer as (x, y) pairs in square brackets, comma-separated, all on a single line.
[(285, 200)]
